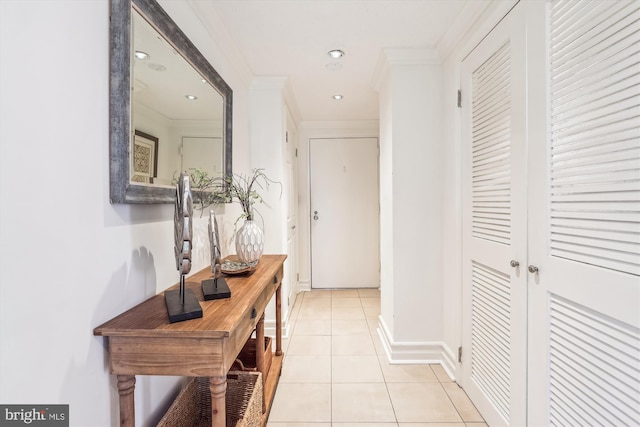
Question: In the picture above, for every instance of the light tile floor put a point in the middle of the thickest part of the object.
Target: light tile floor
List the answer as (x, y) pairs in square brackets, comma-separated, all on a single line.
[(335, 372)]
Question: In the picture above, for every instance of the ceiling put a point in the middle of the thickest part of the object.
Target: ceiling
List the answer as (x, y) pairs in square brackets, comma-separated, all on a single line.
[(292, 37)]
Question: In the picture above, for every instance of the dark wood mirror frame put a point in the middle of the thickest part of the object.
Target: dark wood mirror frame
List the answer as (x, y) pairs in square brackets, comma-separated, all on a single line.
[(122, 190)]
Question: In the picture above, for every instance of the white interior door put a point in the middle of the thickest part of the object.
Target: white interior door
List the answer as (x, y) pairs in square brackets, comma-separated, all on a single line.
[(584, 334), (579, 259), (494, 218), (344, 213)]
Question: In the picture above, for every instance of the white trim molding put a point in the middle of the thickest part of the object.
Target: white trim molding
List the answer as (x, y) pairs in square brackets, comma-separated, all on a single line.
[(304, 286), (450, 362), (401, 56), (416, 352), (270, 328)]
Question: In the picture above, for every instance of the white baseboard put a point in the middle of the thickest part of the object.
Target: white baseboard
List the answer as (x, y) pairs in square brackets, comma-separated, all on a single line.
[(270, 328), (416, 352), (304, 286), (450, 362)]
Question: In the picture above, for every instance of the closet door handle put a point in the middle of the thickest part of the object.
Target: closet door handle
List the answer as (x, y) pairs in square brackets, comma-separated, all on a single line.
[(533, 269), (514, 263)]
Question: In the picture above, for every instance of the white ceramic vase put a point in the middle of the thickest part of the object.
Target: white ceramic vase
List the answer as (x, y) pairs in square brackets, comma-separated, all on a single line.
[(249, 242)]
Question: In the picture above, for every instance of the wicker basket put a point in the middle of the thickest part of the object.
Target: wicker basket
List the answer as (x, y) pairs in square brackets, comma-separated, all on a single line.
[(192, 407), (246, 360)]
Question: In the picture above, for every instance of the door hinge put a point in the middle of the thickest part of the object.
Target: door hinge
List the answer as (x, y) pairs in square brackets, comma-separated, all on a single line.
[(296, 152), (459, 354), (459, 99), (297, 277), (286, 136)]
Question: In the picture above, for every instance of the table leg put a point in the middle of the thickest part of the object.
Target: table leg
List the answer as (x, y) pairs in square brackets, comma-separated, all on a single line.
[(126, 387), (279, 321), (218, 389), (260, 355)]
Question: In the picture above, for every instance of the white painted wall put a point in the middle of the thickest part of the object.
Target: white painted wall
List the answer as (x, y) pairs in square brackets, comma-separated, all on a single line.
[(268, 133), (410, 83), (387, 255), (267, 152), (69, 260)]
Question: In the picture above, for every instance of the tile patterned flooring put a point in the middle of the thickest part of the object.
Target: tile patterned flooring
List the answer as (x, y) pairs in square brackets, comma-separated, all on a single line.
[(335, 372)]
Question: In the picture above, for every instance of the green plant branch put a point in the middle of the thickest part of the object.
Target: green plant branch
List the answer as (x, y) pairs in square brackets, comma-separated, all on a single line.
[(241, 188), (205, 190), (245, 190)]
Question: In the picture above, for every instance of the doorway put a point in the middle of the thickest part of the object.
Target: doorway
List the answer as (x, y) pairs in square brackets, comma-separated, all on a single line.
[(345, 212)]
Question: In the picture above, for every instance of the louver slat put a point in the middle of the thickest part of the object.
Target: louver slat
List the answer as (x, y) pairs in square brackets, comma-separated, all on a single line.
[(491, 335), (594, 372), (491, 149), (595, 133)]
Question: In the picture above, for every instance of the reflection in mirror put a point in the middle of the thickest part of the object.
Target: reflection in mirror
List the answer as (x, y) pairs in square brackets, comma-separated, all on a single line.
[(170, 110), (172, 102)]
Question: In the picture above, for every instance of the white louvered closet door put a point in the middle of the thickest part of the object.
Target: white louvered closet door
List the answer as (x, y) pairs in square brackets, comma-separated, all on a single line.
[(494, 218), (584, 218)]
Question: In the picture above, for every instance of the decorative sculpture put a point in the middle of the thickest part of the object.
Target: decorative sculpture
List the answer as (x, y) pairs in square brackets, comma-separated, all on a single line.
[(182, 303), (217, 287)]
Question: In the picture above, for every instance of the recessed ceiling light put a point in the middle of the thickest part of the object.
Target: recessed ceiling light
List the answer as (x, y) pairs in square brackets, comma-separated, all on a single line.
[(191, 97), (337, 97), (141, 55), (336, 53)]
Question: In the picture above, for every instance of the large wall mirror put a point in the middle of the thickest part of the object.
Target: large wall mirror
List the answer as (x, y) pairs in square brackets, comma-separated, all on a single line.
[(170, 111)]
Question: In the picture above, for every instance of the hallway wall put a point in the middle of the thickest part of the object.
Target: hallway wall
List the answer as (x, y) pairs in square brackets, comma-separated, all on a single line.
[(410, 85), (70, 260)]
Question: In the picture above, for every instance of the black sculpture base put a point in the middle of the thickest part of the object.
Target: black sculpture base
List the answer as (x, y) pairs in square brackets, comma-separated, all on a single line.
[(177, 311), (215, 289)]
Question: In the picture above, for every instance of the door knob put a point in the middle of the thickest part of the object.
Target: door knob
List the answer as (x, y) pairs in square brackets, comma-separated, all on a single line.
[(533, 269), (514, 263)]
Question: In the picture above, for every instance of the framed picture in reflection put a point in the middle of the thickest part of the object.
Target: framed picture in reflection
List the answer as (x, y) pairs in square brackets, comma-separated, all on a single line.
[(144, 167)]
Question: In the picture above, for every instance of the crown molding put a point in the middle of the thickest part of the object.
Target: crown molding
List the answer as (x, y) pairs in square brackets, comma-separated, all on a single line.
[(475, 18), (352, 124), (391, 57)]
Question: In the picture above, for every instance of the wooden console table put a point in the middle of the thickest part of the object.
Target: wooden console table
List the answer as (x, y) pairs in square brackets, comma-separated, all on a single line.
[(143, 342)]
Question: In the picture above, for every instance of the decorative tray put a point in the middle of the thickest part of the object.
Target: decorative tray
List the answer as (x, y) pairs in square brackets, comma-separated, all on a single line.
[(236, 267)]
